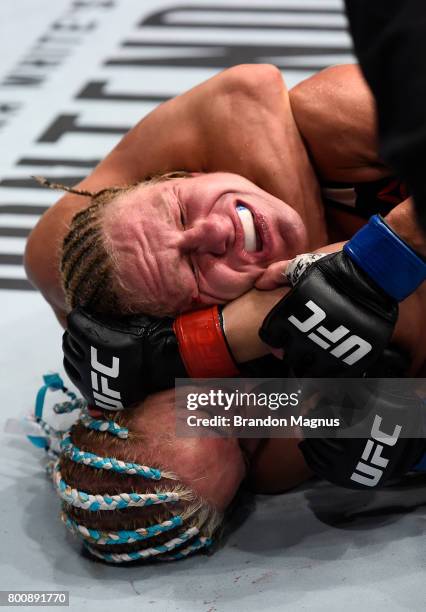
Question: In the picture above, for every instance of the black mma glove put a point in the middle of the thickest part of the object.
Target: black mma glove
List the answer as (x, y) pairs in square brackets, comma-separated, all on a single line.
[(380, 414), (335, 322), (341, 313), (116, 362)]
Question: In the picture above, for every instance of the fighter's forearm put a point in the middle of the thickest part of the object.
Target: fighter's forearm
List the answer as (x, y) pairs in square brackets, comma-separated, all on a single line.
[(410, 331), (243, 318), (403, 221)]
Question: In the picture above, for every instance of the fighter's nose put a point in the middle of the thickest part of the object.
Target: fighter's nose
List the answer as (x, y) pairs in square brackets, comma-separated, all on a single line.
[(211, 235)]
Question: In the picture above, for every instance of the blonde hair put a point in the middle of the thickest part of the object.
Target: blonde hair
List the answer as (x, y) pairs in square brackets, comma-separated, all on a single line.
[(125, 533), (88, 266), (129, 533)]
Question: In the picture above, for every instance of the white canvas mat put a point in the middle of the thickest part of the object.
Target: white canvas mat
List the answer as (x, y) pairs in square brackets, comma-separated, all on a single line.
[(74, 75)]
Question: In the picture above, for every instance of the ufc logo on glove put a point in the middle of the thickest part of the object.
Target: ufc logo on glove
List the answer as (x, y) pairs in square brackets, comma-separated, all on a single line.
[(370, 470), (326, 338), (109, 399)]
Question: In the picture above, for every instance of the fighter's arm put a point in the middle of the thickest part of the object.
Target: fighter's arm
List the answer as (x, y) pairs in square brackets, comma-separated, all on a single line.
[(215, 126), (336, 114), (244, 317)]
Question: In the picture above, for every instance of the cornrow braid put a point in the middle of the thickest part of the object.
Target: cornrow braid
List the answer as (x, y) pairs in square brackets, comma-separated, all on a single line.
[(110, 463), (149, 552), (198, 544), (82, 192), (189, 527), (103, 425), (119, 527), (87, 501), (122, 536), (88, 268)]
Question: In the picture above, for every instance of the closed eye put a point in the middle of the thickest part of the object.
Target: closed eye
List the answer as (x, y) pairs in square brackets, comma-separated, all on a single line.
[(183, 222), (182, 218), (188, 257), (191, 265)]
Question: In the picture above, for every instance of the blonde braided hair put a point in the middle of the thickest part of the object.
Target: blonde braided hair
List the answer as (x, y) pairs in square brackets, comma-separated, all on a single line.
[(88, 270), (124, 527)]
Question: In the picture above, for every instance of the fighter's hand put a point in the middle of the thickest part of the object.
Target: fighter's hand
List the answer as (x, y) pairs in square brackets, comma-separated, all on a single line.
[(341, 313), (115, 362), (287, 272), (386, 420)]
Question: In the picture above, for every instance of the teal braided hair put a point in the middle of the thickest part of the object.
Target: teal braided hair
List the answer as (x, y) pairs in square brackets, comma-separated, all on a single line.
[(191, 525), (122, 536)]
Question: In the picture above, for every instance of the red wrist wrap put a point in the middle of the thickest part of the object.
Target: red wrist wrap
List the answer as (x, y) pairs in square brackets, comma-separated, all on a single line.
[(203, 346)]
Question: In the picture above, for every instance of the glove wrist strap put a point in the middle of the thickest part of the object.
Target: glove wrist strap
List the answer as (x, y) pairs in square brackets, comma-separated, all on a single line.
[(387, 259), (203, 346)]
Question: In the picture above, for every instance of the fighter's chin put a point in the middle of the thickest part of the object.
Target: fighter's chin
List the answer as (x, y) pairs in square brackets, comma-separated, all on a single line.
[(237, 293), (296, 237)]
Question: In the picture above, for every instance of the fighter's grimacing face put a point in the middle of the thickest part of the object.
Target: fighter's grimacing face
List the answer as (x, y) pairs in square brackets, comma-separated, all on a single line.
[(199, 240)]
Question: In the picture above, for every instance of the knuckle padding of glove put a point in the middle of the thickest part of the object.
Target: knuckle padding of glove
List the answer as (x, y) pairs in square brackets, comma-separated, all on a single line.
[(72, 360), (146, 349), (72, 373), (81, 320), (105, 334), (73, 348), (106, 337), (365, 463), (333, 293)]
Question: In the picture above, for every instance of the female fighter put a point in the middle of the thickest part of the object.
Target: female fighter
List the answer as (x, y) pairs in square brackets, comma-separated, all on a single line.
[(302, 189)]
